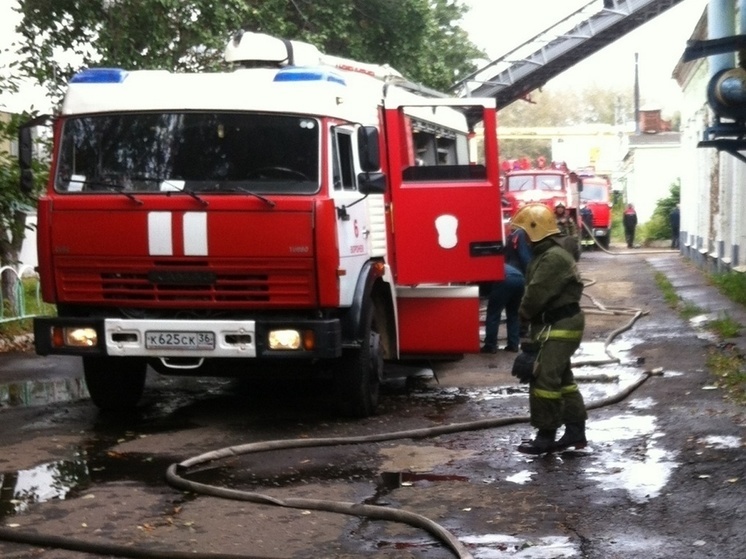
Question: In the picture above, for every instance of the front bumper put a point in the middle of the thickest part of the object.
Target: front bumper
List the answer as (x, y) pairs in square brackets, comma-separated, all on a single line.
[(228, 338)]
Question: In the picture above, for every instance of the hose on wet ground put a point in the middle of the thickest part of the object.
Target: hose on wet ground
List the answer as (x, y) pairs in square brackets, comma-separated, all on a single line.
[(175, 476), (623, 252)]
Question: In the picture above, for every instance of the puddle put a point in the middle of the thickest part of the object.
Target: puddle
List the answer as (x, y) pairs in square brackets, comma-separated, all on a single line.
[(65, 479), (40, 392), (721, 443), (642, 469), (498, 546), (521, 477), (54, 480), (395, 480)]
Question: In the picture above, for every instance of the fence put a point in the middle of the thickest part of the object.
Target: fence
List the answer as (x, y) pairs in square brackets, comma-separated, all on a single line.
[(16, 308)]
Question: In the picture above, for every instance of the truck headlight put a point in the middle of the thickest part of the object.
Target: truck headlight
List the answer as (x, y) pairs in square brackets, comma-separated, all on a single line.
[(284, 339), (74, 336)]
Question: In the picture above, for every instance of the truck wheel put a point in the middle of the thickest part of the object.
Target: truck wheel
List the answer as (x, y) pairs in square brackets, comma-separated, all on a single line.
[(115, 383), (605, 242), (357, 374)]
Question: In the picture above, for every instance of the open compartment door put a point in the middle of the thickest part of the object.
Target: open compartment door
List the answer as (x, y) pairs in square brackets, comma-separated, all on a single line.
[(445, 196)]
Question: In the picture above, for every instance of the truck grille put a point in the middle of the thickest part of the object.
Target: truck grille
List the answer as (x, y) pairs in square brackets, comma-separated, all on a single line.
[(265, 284)]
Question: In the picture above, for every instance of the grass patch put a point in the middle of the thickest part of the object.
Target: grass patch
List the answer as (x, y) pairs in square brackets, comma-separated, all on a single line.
[(669, 293), (728, 368), (690, 310), (32, 305), (732, 285), (725, 326)]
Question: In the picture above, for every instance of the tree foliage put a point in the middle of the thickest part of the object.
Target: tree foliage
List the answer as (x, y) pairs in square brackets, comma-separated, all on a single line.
[(552, 107), (420, 38), (659, 226)]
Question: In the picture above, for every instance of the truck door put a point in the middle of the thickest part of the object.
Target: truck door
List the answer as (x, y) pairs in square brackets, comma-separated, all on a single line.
[(445, 196), (353, 227)]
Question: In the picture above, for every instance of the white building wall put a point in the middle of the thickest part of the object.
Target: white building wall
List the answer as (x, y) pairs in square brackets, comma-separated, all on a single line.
[(28, 255), (655, 168)]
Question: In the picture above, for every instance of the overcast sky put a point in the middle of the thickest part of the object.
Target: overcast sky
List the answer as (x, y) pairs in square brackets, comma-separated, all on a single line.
[(498, 26), (659, 42)]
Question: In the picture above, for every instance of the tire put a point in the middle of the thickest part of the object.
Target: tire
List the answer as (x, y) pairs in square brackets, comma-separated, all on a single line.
[(115, 383), (357, 374)]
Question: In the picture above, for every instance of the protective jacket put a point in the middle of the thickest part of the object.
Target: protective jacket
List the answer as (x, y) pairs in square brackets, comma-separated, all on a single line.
[(551, 303), (552, 281)]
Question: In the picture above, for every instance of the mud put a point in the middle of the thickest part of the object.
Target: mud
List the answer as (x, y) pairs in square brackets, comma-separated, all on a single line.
[(663, 475)]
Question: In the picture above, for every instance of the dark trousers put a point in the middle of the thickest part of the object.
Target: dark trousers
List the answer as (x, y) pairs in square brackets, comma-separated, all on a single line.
[(629, 235), (504, 295)]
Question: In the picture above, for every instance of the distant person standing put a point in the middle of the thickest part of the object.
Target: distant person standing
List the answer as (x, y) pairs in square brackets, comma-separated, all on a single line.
[(675, 220), (568, 230), (629, 220)]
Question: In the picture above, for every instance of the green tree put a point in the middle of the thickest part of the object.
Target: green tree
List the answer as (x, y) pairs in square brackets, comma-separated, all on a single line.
[(420, 38), (14, 206), (659, 226), (570, 107)]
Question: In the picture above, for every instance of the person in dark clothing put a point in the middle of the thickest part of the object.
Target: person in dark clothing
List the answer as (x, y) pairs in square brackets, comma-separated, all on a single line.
[(629, 220), (551, 305), (675, 220), (518, 254), (518, 249), (504, 295)]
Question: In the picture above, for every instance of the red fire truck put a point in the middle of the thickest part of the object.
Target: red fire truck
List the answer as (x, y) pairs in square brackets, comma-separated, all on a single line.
[(525, 183), (298, 210), (596, 203)]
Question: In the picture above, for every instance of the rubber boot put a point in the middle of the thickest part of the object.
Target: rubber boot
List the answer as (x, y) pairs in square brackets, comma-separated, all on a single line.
[(574, 436), (543, 442)]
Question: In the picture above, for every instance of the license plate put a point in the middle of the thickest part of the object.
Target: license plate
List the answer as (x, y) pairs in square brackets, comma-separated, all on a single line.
[(180, 340)]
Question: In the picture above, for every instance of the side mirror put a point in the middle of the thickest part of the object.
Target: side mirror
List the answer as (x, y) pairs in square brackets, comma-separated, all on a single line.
[(368, 148), (26, 153), (371, 183)]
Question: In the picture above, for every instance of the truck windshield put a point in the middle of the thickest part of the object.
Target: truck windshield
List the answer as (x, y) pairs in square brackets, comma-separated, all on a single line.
[(517, 183), (593, 193), (189, 151)]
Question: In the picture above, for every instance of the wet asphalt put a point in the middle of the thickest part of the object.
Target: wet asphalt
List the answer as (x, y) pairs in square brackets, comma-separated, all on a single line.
[(663, 476)]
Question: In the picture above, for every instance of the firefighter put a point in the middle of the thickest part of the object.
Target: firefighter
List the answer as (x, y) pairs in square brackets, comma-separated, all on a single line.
[(565, 223), (551, 305), (568, 230)]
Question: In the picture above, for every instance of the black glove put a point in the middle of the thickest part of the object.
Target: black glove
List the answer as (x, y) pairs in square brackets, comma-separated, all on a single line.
[(523, 366)]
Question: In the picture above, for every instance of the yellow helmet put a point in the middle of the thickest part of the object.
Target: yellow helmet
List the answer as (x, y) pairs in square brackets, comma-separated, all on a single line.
[(537, 221)]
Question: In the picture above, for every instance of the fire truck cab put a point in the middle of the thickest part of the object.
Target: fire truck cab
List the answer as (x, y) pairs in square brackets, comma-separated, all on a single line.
[(596, 204), (301, 209), (526, 183)]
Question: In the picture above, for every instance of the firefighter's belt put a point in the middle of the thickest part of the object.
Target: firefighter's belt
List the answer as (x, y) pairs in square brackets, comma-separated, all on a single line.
[(565, 311), (561, 335)]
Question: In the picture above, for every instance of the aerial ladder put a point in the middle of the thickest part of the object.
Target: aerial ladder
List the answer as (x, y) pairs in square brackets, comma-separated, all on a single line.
[(595, 25)]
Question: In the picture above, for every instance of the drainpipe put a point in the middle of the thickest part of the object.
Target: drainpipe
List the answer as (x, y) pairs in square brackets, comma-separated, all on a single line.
[(637, 96), (721, 22), (742, 28)]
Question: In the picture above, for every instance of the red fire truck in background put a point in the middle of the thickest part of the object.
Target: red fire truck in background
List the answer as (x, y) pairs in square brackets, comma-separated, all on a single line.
[(596, 203), (525, 182), (301, 209)]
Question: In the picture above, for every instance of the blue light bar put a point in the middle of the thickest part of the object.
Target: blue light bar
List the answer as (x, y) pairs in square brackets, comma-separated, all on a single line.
[(294, 74), (100, 75)]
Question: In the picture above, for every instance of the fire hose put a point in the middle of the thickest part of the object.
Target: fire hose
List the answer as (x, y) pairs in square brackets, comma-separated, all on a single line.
[(623, 252), (176, 472)]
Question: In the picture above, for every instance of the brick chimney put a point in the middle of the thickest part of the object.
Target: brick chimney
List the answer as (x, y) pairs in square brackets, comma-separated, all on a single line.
[(652, 123)]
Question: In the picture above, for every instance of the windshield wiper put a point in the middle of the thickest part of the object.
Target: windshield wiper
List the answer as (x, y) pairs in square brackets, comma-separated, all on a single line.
[(267, 201), (113, 187), (174, 185)]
